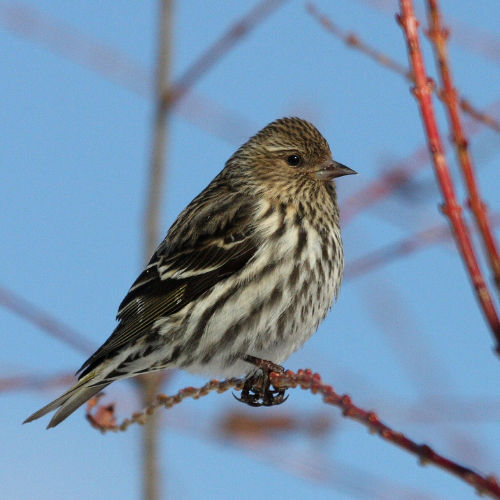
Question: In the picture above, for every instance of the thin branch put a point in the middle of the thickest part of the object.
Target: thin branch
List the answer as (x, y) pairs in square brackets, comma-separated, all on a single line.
[(307, 380), (118, 67), (310, 381), (45, 321), (389, 253), (169, 95), (354, 41), (242, 425), (151, 463), (165, 401), (35, 382), (451, 207), (150, 385), (154, 197), (392, 178), (385, 184), (438, 35), (471, 38), (218, 50)]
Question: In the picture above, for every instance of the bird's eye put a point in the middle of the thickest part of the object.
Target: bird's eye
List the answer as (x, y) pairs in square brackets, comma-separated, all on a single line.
[(294, 160)]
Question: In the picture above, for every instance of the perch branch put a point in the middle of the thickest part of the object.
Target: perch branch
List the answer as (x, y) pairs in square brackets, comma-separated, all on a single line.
[(104, 420)]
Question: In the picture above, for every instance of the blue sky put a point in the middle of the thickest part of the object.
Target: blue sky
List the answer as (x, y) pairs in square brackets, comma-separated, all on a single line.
[(407, 340)]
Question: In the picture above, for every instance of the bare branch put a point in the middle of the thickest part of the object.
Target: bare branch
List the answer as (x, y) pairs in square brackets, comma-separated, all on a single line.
[(451, 207), (389, 253), (151, 384), (45, 321), (160, 132), (35, 382), (449, 95), (354, 41), (307, 380), (118, 67), (218, 50), (169, 401)]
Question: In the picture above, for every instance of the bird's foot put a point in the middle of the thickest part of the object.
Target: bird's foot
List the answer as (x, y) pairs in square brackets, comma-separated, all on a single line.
[(257, 388)]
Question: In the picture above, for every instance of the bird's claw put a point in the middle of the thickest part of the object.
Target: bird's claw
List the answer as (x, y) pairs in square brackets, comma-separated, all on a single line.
[(257, 389), (257, 398)]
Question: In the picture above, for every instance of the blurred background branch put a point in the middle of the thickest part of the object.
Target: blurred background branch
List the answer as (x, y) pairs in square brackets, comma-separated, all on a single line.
[(150, 384)]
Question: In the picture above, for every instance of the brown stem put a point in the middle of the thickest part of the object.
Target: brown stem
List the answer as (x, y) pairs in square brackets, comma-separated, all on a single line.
[(150, 384), (151, 462), (160, 131), (312, 382)]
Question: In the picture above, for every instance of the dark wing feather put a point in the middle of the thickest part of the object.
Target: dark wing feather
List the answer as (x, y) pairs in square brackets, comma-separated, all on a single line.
[(177, 275)]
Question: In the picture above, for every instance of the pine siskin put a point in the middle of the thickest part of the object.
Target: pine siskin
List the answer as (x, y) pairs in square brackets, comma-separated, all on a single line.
[(245, 274)]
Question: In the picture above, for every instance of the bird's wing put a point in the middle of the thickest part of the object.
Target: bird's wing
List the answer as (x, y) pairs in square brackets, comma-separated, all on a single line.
[(179, 274)]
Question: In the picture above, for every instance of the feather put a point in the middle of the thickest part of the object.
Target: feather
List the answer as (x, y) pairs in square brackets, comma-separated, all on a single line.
[(70, 400), (176, 276)]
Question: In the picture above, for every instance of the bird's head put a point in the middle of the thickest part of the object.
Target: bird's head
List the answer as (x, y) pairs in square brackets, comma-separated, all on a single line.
[(290, 150)]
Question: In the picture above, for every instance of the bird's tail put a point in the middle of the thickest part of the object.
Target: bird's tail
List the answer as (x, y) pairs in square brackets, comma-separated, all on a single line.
[(71, 400)]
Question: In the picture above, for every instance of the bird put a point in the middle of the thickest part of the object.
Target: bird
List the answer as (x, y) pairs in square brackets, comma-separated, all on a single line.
[(243, 278)]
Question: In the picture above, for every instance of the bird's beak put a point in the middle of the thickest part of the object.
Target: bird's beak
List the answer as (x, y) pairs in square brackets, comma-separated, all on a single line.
[(333, 169)]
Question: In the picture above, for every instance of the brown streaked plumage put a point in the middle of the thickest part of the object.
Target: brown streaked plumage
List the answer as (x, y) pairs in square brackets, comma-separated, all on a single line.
[(249, 268)]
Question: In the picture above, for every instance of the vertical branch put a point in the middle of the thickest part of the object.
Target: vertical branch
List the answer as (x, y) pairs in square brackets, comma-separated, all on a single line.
[(157, 162), (438, 35), (166, 96), (150, 384), (151, 475), (451, 208)]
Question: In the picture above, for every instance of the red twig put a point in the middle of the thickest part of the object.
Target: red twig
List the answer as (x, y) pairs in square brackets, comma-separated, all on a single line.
[(469, 37), (242, 425), (403, 171), (44, 320), (308, 380), (386, 183), (104, 420), (354, 41), (451, 207), (438, 35), (389, 253)]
